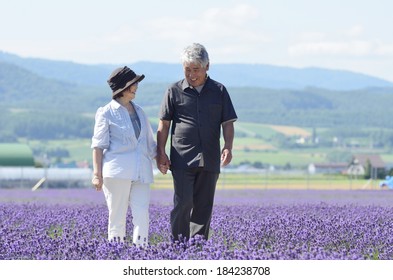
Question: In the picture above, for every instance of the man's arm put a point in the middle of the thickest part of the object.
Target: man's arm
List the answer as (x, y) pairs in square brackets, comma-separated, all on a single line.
[(162, 159)]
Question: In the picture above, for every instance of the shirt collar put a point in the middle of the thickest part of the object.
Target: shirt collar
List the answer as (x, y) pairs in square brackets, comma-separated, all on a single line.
[(117, 105), (185, 84)]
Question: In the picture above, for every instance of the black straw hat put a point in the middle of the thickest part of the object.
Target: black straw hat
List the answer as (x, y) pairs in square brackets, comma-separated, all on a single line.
[(121, 78)]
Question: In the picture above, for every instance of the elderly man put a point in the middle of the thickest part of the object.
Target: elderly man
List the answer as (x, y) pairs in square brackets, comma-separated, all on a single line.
[(196, 107)]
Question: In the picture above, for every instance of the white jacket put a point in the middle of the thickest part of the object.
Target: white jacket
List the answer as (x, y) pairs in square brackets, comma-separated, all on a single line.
[(124, 155)]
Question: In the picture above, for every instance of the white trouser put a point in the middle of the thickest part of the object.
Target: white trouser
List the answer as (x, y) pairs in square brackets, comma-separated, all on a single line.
[(119, 194)]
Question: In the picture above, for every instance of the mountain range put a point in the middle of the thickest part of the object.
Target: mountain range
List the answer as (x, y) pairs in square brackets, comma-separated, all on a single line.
[(40, 98), (231, 75)]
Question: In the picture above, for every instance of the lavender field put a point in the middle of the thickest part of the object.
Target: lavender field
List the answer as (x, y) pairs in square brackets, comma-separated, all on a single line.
[(70, 224)]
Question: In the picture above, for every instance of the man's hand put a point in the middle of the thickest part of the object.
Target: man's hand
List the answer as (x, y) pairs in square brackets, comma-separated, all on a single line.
[(226, 157), (163, 163)]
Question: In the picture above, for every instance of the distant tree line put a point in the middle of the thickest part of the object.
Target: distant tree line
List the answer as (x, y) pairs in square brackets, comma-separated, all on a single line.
[(39, 108), (45, 126)]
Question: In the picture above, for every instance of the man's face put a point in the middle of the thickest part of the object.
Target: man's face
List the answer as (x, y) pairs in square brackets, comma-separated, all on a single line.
[(195, 74)]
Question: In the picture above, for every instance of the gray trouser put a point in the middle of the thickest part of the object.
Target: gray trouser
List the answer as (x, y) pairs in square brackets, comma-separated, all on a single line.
[(193, 202)]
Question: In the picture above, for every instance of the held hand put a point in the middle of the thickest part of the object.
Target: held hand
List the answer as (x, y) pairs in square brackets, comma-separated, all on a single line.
[(97, 183), (163, 163), (226, 157), (163, 168)]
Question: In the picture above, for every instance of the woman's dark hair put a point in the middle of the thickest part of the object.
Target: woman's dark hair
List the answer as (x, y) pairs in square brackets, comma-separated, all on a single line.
[(120, 94)]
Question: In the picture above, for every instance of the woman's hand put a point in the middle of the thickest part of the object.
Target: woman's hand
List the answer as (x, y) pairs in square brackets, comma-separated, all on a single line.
[(97, 183)]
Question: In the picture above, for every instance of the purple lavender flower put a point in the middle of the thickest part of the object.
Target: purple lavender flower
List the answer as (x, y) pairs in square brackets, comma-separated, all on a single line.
[(246, 225)]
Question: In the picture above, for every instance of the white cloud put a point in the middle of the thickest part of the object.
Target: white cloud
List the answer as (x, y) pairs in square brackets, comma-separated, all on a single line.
[(348, 48), (355, 31), (350, 42), (231, 29), (122, 35), (386, 49), (312, 36), (352, 48), (237, 15)]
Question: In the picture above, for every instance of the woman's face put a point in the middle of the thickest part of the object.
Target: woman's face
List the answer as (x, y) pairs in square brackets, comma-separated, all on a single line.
[(131, 93), (195, 74)]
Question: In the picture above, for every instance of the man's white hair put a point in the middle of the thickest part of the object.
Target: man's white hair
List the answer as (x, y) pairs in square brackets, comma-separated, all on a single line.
[(195, 53)]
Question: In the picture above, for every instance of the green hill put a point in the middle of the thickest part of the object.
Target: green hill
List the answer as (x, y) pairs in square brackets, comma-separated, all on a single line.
[(232, 75), (36, 107)]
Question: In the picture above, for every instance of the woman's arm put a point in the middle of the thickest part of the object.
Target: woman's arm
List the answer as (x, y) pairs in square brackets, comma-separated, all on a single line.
[(97, 180)]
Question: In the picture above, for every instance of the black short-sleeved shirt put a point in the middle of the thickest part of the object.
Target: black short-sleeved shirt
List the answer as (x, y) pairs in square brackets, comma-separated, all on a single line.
[(196, 123)]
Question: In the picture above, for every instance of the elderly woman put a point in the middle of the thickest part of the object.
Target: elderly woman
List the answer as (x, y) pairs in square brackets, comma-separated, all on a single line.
[(123, 150)]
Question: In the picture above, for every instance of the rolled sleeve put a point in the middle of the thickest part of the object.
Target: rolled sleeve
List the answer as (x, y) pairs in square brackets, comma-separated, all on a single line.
[(228, 112), (100, 137), (151, 143), (166, 112)]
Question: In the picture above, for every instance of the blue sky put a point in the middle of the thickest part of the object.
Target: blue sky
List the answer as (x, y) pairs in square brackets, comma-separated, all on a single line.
[(353, 35)]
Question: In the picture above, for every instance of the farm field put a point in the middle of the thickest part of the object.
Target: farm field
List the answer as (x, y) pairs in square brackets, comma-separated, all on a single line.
[(255, 143), (70, 224), (268, 181), (246, 149)]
